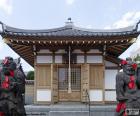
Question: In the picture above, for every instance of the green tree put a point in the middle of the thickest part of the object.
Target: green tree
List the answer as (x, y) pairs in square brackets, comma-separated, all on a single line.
[(137, 60), (30, 75)]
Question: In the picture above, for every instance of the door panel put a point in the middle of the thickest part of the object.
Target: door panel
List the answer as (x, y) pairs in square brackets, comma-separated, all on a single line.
[(96, 83), (43, 76), (75, 95), (63, 78), (96, 77)]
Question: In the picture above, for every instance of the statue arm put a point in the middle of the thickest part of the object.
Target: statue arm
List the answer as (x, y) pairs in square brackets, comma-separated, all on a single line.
[(138, 81), (0, 79), (20, 82), (120, 87)]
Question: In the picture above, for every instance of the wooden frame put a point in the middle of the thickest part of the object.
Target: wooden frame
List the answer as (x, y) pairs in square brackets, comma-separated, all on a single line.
[(75, 95), (36, 86), (102, 83), (110, 68), (88, 65)]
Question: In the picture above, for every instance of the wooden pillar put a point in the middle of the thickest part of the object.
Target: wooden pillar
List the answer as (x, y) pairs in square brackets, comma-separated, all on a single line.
[(84, 82), (69, 72), (54, 83), (35, 83)]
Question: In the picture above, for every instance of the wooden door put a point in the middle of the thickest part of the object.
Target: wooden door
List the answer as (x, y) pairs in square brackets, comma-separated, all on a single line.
[(42, 82), (43, 76), (75, 94), (96, 77), (96, 84)]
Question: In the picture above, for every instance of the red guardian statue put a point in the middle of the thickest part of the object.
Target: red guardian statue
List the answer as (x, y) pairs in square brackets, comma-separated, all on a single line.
[(12, 88), (127, 89)]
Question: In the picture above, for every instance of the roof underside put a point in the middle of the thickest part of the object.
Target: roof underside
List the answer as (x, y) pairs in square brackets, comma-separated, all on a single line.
[(27, 42)]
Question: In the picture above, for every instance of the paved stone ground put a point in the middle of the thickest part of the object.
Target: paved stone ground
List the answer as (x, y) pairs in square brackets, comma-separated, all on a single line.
[(72, 109)]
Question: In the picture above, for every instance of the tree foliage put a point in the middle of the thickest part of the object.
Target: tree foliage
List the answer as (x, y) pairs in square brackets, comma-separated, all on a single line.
[(30, 75), (137, 60)]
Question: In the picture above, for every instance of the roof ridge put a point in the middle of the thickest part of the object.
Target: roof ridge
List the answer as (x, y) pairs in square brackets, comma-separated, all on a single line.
[(118, 30), (19, 30), (68, 30)]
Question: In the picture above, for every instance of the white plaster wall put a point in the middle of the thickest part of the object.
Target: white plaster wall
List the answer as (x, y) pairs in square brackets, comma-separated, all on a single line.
[(96, 95), (94, 59), (58, 59), (110, 78), (44, 51), (60, 51), (109, 64), (94, 51), (43, 95), (110, 95), (77, 51), (80, 59), (44, 59)]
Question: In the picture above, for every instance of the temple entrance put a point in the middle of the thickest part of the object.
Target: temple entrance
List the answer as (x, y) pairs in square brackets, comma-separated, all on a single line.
[(63, 83)]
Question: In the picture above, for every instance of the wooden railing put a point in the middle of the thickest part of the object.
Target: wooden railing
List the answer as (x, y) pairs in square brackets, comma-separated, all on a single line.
[(88, 101)]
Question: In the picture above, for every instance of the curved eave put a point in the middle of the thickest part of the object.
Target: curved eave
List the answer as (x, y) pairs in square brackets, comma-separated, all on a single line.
[(24, 51), (73, 34), (22, 41), (69, 31)]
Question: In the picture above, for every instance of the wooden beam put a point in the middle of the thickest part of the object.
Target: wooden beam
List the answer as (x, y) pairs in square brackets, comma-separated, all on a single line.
[(22, 48), (118, 44), (122, 47), (115, 47), (108, 58), (114, 51)]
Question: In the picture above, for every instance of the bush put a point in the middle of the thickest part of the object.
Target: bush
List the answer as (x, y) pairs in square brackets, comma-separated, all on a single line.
[(30, 75)]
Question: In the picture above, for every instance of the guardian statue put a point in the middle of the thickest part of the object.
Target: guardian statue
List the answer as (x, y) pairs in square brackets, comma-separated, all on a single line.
[(128, 89), (12, 88)]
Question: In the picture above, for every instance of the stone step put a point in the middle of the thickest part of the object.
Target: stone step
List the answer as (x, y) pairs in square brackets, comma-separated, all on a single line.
[(68, 113), (37, 113), (70, 110)]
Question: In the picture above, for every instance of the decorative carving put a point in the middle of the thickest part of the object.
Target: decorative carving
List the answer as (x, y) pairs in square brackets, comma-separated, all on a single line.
[(128, 93), (12, 88)]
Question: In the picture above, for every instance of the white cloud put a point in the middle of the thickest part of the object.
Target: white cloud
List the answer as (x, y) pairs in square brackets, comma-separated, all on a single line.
[(70, 2), (6, 6), (130, 18)]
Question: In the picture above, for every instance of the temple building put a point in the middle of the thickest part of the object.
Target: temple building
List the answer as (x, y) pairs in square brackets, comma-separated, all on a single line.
[(72, 63)]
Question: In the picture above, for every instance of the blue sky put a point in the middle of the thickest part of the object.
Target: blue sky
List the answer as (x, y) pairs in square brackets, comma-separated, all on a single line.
[(43, 14)]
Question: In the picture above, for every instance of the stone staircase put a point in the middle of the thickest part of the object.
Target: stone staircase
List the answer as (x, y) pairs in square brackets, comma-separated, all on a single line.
[(70, 110)]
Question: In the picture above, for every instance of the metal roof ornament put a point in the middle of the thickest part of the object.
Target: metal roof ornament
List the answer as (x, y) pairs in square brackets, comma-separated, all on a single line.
[(69, 23), (2, 28), (137, 25), (69, 19)]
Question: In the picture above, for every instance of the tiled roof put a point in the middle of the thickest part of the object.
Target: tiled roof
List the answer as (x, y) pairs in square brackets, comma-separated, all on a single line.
[(69, 30), (117, 40)]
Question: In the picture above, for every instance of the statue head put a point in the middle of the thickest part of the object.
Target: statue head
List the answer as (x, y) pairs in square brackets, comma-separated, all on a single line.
[(8, 65), (129, 67)]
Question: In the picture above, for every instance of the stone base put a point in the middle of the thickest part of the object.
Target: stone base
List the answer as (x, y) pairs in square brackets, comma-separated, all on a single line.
[(70, 110)]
